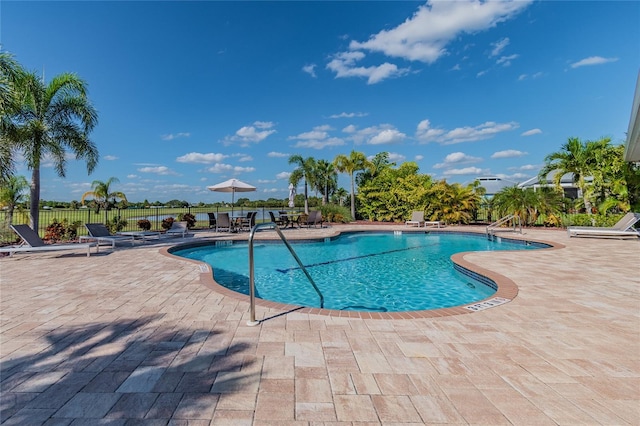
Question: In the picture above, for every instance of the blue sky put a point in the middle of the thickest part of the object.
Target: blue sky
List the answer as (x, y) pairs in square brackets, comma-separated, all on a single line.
[(190, 94)]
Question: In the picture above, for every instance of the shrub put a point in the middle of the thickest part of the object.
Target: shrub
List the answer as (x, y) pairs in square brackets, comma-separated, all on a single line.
[(144, 224), (336, 214), (189, 218), (167, 223), (116, 224), (61, 231)]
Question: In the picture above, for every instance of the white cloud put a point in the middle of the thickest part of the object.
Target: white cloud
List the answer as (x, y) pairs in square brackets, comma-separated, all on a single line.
[(344, 65), (198, 158), (465, 171), (376, 135), (499, 46), (318, 132), (509, 153), (274, 154), (225, 168), (457, 158), (350, 129), (526, 167), (158, 170), (418, 157), (245, 158), (132, 176), (394, 157), (172, 136), (310, 69), (110, 157), (592, 60), (283, 175), (424, 36), (531, 132), (255, 133), (425, 133), (349, 115), (387, 136), (505, 61), (317, 138)]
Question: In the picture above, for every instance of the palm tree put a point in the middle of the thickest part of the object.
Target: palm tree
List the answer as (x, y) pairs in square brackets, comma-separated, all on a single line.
[(578, 158), (101, 192), (327, 179), (354, 162), (452, 203), (11, 194), (50, 119), (339, 196), (10, 74), (305, 171)]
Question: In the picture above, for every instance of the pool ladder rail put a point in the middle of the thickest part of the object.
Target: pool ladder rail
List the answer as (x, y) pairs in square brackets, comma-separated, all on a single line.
[(252, 288), (516, 224)]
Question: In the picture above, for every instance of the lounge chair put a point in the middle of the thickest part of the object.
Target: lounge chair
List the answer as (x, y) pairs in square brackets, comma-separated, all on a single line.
[(100, 233), (224, 222), (178, 229), (31, 242), (212, 220), (622, 228), (417, 218), (314, 218)]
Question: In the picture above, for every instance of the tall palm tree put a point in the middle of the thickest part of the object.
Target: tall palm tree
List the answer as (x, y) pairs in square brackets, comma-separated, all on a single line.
[(578, 158), (305, 171), (327, 179), (52, 118), (12, 192), (354, 162), (101, 192), (10, 74)]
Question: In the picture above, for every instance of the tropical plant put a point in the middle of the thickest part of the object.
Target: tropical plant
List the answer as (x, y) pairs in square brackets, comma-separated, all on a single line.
[(11, 73), (356, 161), (452, 203), (189, 218), (61, 230), (339, 196), (144, 224), (12, 192), (326, 179), (528, 204), (167, 222), (116, 224), (49, 120), (101, 192), (304, 171)]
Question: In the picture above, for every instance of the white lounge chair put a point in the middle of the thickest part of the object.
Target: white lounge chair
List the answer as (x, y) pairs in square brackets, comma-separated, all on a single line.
[(178, 229), (417, 218), (314, 218), (100, 233), (31, 242), (224, 222), (622, 228)]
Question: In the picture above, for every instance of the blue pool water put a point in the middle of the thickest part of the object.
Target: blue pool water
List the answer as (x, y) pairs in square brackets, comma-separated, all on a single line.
[(380, 272)]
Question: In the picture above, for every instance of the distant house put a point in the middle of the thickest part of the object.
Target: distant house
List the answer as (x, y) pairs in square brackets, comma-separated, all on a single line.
[(566, 183), (493, 184)]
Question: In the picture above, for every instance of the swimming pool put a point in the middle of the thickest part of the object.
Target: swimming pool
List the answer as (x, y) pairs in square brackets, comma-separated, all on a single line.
[(375, 272)]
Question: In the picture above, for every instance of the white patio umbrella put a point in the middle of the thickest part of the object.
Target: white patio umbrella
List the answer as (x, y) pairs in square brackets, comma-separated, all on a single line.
[(232, 186), (292, 194)]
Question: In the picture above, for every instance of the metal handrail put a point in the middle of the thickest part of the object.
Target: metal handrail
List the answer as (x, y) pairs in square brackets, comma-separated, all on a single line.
[(252, 288), (504, 220)]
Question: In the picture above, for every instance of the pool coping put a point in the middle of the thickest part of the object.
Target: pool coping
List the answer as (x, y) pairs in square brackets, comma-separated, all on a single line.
[(507, 289)]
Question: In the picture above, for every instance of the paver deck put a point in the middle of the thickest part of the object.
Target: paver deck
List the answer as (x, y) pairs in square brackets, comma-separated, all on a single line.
[(133, 337)]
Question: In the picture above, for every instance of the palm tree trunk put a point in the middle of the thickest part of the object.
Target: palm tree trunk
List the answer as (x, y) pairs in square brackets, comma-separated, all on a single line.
[(34, 199), (306, 198), (353, 198)]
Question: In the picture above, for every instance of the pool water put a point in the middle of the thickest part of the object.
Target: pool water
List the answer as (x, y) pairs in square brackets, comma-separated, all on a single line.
[(378, 272)]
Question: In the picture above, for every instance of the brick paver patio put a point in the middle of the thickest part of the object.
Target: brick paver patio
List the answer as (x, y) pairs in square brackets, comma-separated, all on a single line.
[(134, 337)]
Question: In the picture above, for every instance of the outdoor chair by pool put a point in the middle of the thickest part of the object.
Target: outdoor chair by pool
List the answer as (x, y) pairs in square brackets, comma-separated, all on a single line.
[(249, 222), (277, 220), (31, 242), (224, 222), (178, 229), (417, 218), (622, 228), (99, 233), (212, 220), (314, 218)]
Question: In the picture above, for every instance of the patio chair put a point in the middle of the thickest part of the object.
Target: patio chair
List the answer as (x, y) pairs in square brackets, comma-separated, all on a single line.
[(224, 222), (622, 228), (314, 218), (281, 222), (284, 218), (249, 222), (31, 242), (417, 218), (212, 220), (178, 229), (99, 233)]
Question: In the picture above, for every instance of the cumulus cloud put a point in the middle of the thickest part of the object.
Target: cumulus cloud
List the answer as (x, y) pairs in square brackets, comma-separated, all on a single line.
[(198, 158), (225, 168), (110, 157), (376, 135), (171, 136), (531, 132), (418, 157), (395, 157), (457, 158), (317, 138), (349, 115), (256, 133), (509, 153), (387, 136), (344, 65), (283, 175), (425, 133), (158, 170), (274, 154), (465, 171), (592, 60), (310, 69), (424, 36)]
